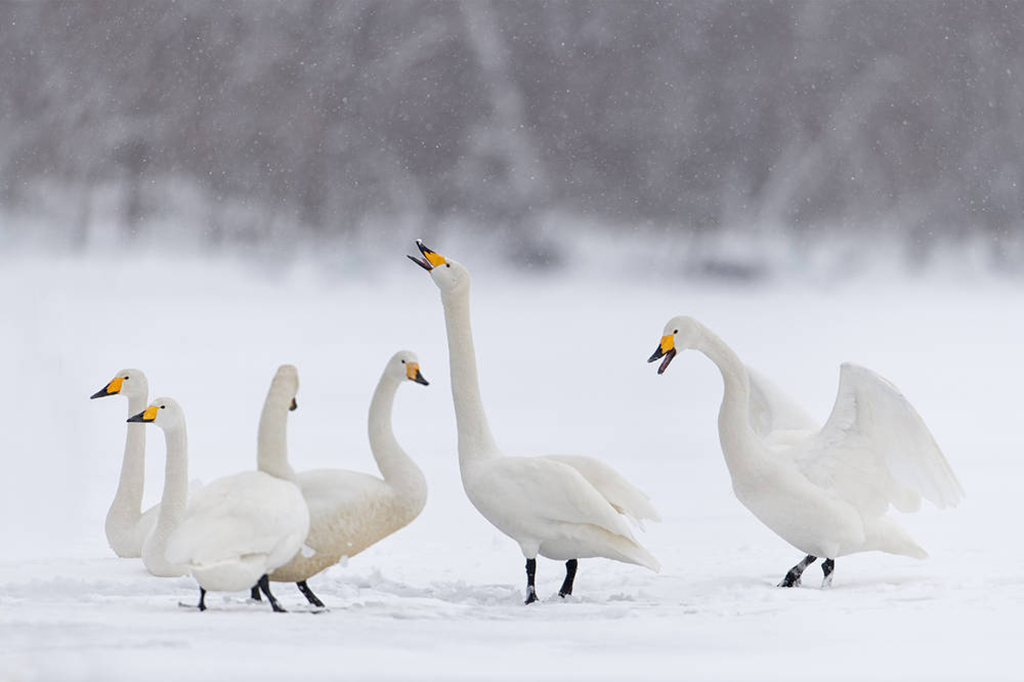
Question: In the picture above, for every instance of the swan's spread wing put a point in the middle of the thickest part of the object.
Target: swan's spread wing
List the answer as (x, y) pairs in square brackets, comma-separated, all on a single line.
[(772, 410), (626, 498), (249, 513), (546, 490), (875, 449)]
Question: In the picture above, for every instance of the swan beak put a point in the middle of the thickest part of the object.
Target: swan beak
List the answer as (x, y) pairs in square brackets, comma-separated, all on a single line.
[(412, 370), (666, 349), (113, 388), (430, 258), (294, 406), (147, 415)]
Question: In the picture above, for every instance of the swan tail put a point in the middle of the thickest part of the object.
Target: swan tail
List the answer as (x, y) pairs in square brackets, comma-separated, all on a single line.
[(885, 535), (636, 553), (628, 550)]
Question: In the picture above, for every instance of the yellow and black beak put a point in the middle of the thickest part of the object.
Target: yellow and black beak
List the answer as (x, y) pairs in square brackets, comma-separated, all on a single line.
[(430, 258), (147, 415), (412, 370), (294, 406), (667, 349), (113, 388)]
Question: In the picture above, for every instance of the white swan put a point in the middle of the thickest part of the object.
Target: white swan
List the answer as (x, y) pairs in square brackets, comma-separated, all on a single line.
[(348, 510), (825, 491), (127, 527), (563, 508), (236, 530)]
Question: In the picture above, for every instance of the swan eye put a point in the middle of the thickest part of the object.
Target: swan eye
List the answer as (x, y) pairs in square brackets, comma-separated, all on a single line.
[(447, 265), (403, 362), (162, 406), (676, 331), (127, 378)]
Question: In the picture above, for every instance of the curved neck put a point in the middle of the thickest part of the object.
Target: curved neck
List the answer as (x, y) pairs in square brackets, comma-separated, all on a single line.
[(174, 501), (400, 472), (272, 439), (739, 442), (128, 498), (475, 439)]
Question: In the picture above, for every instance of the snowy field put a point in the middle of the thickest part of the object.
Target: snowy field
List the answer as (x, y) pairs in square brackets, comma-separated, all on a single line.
[(563, 370)]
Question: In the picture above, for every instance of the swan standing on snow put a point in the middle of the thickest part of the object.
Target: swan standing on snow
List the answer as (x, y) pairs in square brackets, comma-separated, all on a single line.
[(127, 527), (827, 491), (564, 508), (237, 529), (349, 511)]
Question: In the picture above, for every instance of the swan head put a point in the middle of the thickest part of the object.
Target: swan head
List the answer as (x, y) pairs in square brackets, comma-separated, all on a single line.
[(449, 276), (404, 365), (164, 412), (286, 385), (131, 383), (681, 333)]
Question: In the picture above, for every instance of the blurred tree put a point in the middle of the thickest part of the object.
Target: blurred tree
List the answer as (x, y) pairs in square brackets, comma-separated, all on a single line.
[(332, 116)]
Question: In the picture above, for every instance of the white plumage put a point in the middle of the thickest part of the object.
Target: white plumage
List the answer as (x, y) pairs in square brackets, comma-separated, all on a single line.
[(349, 510), (240, 528), (128, 529), (236, 529), (826, 491), (561, 507)]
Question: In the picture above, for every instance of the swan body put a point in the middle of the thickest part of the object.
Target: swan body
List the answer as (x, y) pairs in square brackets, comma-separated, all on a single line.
[(560, 507), (349, 511), (236, 529), (824, 490)]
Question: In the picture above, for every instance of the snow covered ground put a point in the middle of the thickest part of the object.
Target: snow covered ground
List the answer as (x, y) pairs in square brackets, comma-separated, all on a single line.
[(563, 370)]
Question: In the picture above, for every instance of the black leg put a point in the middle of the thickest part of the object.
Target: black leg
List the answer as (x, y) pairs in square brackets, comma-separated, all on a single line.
[(792, 578), (202, 600), (827, 566), (308, 594), (531, 571), (255, 595), (570, 575), (264, 584)]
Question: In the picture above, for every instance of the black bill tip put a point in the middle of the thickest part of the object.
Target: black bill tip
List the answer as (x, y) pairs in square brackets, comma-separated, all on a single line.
[(102, 393), (419, 379), (140, 417), (294, 405), (656, 355)]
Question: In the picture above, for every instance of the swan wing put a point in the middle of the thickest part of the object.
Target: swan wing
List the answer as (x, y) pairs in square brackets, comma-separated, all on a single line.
[(546, 490), (875, 449), (334, 487), (249, 513), (772, 410), (625, 497)]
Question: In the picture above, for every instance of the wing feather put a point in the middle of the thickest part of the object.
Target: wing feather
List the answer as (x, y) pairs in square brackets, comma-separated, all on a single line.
[(875, 449), (626, 498)]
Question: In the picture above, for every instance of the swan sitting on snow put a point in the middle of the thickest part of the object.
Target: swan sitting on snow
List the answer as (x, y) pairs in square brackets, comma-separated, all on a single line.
[(825, 491), (127, 527), (237, 529), (563, 508), (349, 511)]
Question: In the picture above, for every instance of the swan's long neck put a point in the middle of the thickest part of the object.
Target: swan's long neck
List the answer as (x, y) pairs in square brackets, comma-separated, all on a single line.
[(475, 439), (400, 472), (174, 501), (126, 508), (272, 439), (740, 444)]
